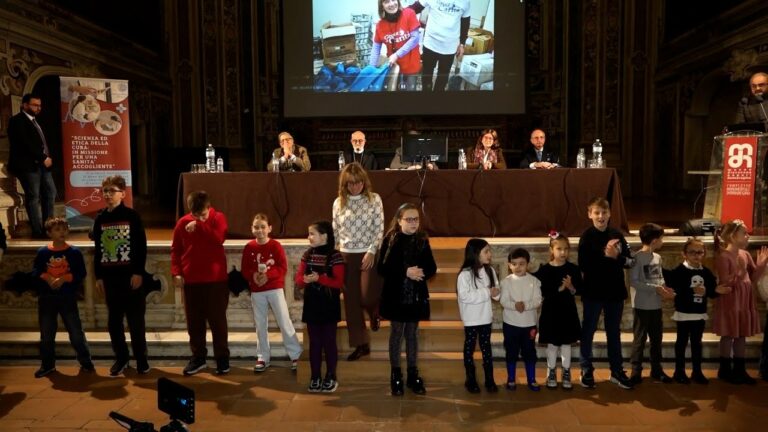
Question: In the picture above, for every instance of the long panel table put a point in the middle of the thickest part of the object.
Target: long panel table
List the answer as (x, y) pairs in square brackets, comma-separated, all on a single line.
[(504, 203)]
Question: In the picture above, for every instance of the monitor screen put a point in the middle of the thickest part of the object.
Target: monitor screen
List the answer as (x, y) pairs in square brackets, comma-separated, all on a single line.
[(350, 58), (416, 148)]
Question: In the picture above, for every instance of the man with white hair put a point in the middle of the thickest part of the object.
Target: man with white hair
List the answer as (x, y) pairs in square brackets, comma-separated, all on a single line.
[(357, 152)]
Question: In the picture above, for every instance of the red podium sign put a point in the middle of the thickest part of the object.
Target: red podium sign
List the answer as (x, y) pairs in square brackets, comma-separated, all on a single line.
[(739, 171)]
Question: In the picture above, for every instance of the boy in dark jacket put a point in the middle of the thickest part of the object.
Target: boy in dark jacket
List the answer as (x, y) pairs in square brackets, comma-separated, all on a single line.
[(603, 255), (120, 247)]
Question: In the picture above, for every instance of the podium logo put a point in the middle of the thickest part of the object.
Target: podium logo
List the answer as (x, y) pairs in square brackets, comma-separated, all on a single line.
[(738, 154)]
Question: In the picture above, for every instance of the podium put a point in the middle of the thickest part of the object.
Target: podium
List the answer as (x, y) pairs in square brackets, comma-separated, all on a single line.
[(736, 188)]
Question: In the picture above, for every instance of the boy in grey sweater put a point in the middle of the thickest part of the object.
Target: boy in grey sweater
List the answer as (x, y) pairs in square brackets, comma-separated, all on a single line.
[(648, 290)]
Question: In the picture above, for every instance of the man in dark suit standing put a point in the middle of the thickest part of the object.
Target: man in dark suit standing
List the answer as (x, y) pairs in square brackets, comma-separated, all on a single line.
[(536, 156), (752, 109), (29, 160), (357, 152)]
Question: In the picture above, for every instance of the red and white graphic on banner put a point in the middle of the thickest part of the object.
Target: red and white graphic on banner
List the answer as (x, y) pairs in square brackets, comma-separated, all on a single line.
[(95, 141), (739, 171)]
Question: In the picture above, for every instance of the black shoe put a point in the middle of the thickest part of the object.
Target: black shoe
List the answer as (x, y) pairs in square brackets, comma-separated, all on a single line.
[(194, 366), (315, 385), (222, 366), (44, 370), (88, 367), (330, 384), (415, 382), (740, 375), (491, 387), (724, 373), (636, 378), (661, 377), (472, 386), (511, 386), (396, 382), (118, 367), (360, 351), (699, 378), (622, 380), (142, 367), (375, 323), (588, 378), (681, 378)]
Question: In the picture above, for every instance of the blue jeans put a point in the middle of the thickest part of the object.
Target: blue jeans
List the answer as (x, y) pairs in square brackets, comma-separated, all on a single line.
[(612, 311), (38, 189), (49, 307)]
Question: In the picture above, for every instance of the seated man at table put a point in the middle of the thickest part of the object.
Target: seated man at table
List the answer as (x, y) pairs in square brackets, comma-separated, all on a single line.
[(289, 156), (536, 156), (357, 153)]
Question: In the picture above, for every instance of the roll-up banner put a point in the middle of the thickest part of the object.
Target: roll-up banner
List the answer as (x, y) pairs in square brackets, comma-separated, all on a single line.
[(739, 171), (96, 142)]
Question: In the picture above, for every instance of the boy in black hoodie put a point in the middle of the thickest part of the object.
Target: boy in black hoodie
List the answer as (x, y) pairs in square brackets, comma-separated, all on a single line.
[(603, 255), (692, 283), (120, 247)]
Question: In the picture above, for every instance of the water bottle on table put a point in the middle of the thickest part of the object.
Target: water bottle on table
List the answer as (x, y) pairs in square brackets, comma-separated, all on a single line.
[(220, 164), (210, 158), (341, 161), (581, 159), (462, 160), (275, 163), (597, 153)]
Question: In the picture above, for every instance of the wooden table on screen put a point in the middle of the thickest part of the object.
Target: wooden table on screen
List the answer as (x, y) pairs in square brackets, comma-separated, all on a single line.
[(504, 203)]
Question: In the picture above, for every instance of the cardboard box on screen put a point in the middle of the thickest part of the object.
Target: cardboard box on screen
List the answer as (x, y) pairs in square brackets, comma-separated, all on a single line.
[(477, 69), (338, 41), (478, 41)]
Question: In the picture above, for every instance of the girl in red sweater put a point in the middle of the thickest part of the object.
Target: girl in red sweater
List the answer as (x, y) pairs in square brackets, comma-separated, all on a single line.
[(264, 266)]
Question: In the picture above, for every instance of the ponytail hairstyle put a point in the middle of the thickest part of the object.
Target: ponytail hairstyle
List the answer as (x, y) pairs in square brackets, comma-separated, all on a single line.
[(472, 261), (325, 227), (555, 237), (394, 229), (724, 234)]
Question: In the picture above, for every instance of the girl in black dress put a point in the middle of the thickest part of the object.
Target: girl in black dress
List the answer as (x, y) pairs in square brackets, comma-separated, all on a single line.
[(559, 325), (406, 263)]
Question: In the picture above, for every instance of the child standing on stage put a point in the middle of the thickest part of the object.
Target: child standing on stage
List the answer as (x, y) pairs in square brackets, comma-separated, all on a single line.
[(648, 291), (321, 276), (520, 296), (692, 283), (603, 255), (559, 324), (406, 263), (62, 268), (735, 313), (264, 266), (476, 285)]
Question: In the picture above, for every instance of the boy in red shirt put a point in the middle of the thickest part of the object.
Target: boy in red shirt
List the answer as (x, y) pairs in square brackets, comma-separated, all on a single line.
[(199, 267)]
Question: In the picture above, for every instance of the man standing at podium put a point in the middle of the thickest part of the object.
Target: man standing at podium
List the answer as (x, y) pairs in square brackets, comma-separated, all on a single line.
[(752, 109)]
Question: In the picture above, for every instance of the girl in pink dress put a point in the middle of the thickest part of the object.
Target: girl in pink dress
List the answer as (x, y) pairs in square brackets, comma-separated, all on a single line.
[(735, 312)]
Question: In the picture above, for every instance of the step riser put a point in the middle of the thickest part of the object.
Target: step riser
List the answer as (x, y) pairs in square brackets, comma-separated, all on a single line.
[(452, 371)]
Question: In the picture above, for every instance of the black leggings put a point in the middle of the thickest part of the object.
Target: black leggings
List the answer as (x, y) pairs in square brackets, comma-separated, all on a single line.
[(471, 336), (411, 332), (693, 330)]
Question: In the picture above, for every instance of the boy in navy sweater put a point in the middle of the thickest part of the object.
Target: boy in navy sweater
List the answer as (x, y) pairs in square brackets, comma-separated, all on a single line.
[(62, 268), (603, 255)]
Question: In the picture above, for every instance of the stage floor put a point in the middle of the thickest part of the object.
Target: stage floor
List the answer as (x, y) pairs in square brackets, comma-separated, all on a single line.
[(274, 400)]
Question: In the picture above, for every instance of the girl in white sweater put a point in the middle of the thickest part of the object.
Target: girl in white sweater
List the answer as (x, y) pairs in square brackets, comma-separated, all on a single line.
[(476, 285)]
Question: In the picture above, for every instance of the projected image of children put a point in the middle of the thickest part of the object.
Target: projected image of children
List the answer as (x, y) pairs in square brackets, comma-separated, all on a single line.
[(403, 45)]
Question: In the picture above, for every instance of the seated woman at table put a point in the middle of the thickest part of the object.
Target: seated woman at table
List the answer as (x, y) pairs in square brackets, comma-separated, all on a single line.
[(290, 156), (487, 153)]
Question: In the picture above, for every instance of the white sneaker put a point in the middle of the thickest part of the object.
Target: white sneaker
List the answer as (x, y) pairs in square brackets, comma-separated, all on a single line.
[(260, 366), (294, 364)]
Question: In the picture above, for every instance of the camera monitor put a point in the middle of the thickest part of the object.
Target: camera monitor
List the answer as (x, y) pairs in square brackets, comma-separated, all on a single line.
[(176, 400), (416, 148)]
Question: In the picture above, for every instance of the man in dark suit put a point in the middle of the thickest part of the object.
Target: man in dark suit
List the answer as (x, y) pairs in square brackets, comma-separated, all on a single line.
[(29, 160), (357, 153), (536, 156), (752, 109)]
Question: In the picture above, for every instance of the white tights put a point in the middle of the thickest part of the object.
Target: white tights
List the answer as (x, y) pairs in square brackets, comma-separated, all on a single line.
[(565, 356)]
